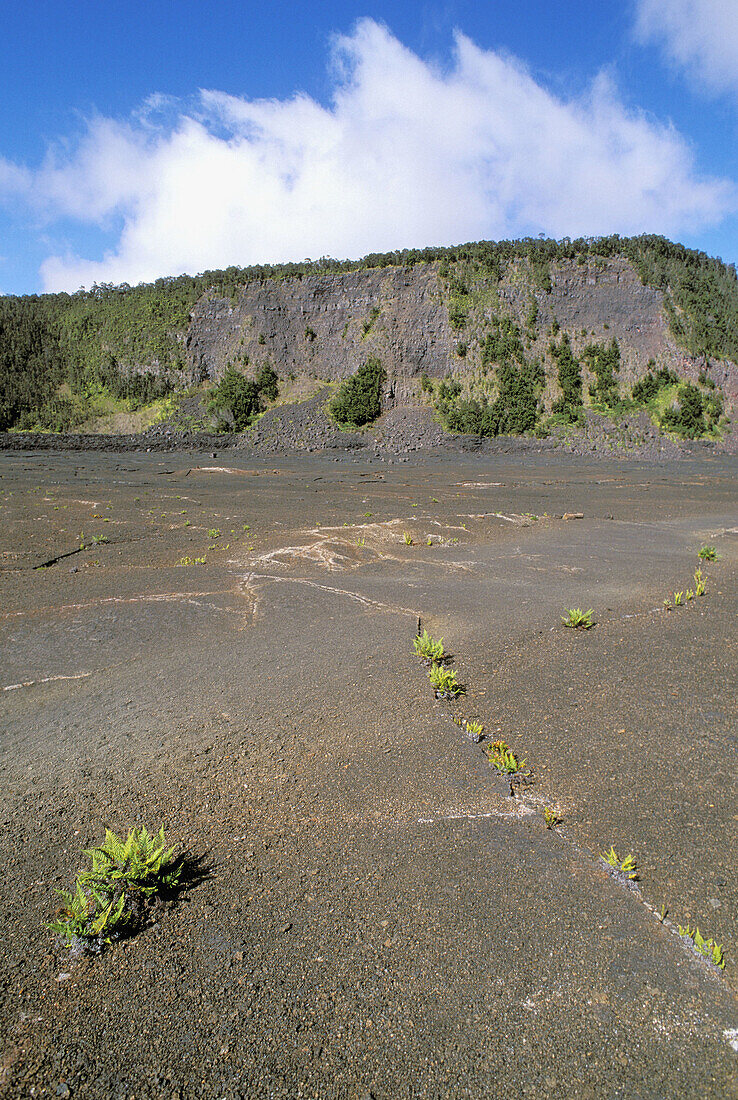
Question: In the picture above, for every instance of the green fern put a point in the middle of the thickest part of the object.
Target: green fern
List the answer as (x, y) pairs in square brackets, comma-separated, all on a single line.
[(578, 619), (428, 647), (141, 864), (444, 681), (89, 915), (708, 948), (503, 758), (626, 866)]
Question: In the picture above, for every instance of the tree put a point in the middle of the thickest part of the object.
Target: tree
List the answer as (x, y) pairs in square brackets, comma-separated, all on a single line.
[(237, 396), (359, 399)]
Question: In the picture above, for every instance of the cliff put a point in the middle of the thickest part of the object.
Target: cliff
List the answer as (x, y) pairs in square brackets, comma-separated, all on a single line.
[(489, 320)]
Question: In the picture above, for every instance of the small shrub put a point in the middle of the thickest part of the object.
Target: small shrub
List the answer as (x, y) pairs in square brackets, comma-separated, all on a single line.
[(444, 681), (503, 758), (678, 598), (407, 538), (707, 553), (625, 866), (87, 919), (689, 595), (213, 533), (358, 400), (236, 397), (578, 619), (428, 648), (707, 948), (699, 583), (268, 381), (111, 895), (140, 864), (474, 730), (551, 818)]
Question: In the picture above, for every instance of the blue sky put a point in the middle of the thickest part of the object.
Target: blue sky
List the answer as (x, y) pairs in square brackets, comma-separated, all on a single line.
[(141, 139)]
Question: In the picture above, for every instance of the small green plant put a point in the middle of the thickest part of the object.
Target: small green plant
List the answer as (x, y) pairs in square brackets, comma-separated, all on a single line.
[(578, 619), (707, 948), (667, 604), (625, 866), (429, 648), (503, 758), (707, 553), (444, 681), (474, 730), (551, 818), (100, 539), (361, 542), (213, 533), (191, 561), (111, 894), (689, 595), (88, 919), (82, 540), (407, 538), (661, 915), (429, 541), (678, 599), (140, 864), (699, 583)]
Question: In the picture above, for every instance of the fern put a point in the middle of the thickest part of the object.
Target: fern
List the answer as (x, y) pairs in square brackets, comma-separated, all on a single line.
[(140, 864), (427, 647)]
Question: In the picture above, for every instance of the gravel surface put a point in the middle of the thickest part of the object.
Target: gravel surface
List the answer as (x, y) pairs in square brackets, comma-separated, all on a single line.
[(374, 914)]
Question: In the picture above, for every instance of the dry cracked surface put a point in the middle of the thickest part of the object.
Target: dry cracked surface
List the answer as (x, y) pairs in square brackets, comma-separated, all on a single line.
[(375, 915)]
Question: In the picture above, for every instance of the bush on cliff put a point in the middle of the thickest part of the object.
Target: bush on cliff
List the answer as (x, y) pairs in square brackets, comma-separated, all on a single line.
[(359, 399), (236, 401)]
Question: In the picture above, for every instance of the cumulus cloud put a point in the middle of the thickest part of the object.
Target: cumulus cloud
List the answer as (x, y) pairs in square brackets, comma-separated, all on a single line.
[(404, 155), (700, 36)]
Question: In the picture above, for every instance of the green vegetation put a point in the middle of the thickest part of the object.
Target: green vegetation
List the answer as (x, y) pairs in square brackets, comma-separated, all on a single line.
[(604, 362), (578, 619), (503, 758), (551, 818), (680, 408), (519, 382), (407, 538), (444, 681), (570, 380), (359, 399), (678, 598), (61, 352), (707, 553), (428, 648), (191, 561), (237, 400), (110, 897), (625, 866), (648, 387), (474, 730), (268, 382), (709, 949)]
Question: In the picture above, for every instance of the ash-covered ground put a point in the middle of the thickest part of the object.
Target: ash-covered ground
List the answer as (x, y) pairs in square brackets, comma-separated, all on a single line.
[(377, 916)]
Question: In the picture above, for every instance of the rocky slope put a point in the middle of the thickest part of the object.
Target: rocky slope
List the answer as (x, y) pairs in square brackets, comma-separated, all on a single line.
[(326, 326)]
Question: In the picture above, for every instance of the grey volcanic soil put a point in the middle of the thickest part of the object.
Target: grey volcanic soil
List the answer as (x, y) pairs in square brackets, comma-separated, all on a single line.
[(379, 916)]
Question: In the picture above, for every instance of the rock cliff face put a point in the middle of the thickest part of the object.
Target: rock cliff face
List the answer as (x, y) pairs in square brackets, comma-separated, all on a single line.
[(326, 326)]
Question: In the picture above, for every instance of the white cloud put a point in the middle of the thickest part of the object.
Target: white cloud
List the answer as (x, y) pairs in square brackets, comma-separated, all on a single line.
[(405, 155), (701, 36)]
